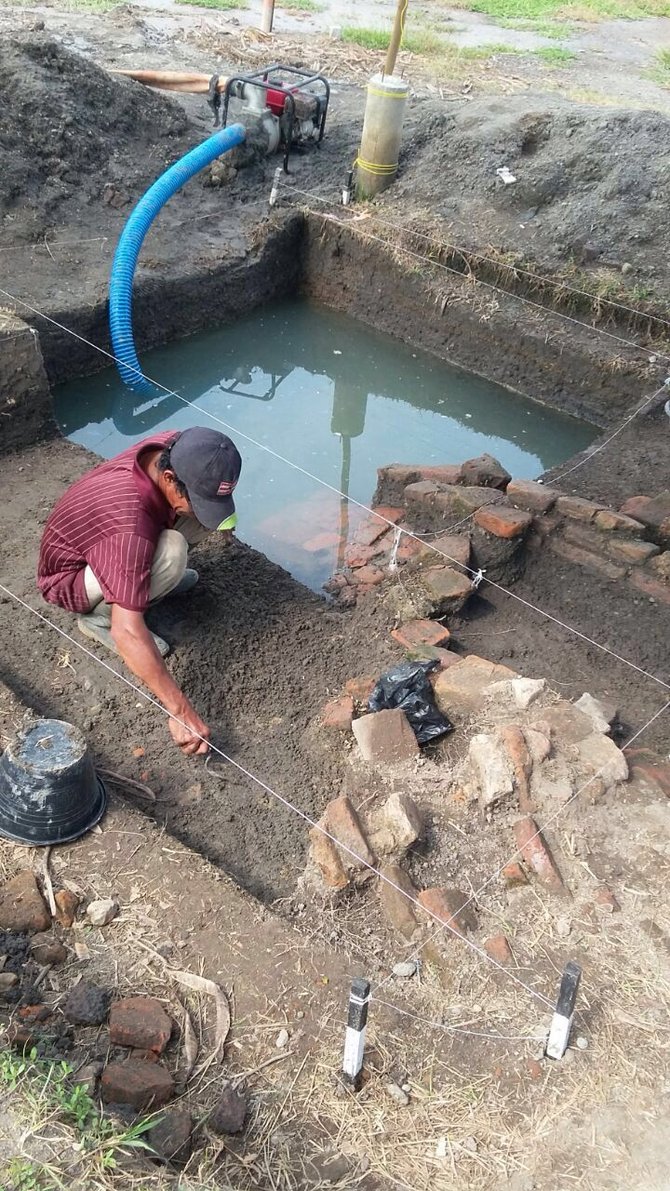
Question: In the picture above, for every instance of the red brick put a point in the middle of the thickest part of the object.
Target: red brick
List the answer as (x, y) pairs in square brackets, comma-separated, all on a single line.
[(535, 852), (445, 473), (516, 748), (648, 765), (359, 556), (604, 898), (22, 906), (484, 472), (67, 904), (513, 875), (577, 508), (136, 1082), (421, 632), (408, 548), (447, 589), (634, 506), (610, 522), (528, 494), (421, 491), (499, 949), (656, 589), (397, 907), (327, 859), (631, 550), (385, 737), (389, 513), (457, 503), (454, 548), (322, 541), (584, 558), (360, 689), (654, 512), (338, 714), (341, 821), (504, 522), (446, 906), (369, 575), (141, 1023), (374, 527)]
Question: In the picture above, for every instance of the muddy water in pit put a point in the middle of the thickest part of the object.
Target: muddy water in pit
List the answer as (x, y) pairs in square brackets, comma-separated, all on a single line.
[(331, 395)]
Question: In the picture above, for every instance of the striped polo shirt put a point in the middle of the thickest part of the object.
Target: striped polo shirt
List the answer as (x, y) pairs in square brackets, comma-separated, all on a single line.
[(110, 520)]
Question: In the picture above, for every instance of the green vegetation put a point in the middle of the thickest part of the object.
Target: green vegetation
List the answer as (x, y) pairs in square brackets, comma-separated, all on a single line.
[(588, 10), (477, 53), (221, 4), (556, 30), (662, 68), (554, 55), (378, 39), (301, 5)]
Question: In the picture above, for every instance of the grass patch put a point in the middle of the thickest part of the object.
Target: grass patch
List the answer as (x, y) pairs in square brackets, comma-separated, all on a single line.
[(592, 10), (554, 55), (300, 5), (556, 30), (220, 4), (378, 39), (479, 53)]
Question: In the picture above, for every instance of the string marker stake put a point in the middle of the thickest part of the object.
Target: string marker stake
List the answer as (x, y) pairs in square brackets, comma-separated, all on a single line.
[(354, 1039), (274, 193), (561, 1023)]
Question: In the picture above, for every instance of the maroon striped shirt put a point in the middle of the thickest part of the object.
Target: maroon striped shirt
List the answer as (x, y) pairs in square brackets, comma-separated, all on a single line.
[(110, 520)]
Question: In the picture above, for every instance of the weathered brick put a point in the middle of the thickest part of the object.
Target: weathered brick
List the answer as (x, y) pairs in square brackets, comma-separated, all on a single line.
[(661, 565), (433, 653), (137, 1083), (385, 737), (656, 589), (504, 522), (454, 548), (420, 491), (577, 508), (610, 522), (327, 859), (22, 906), (535, 852), (360, 689), (462, 689), (528, 494), (67, 904), (421, 632), (338, 714), (645, 764), (634, 506), (514, 743), (631, 550), (447, 906), (341, 820), (654, 512), (513, 875), (443, 473), (446, 589), (141, 1023), (359, 556), (484, 472), (604, 898), (492, 768), (584, 558), (409, 548), (459, 502), (368, 575), (499, 949), (566, 723), (397, 907), (395, 826), (375, 526)]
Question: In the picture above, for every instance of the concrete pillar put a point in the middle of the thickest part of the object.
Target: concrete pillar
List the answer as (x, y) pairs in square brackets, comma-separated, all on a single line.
[(26, 413), (377, 162)]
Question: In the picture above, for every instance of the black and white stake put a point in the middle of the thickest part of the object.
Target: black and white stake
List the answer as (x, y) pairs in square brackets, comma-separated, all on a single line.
[(354, 1039), (561, 1022), (274, 193)]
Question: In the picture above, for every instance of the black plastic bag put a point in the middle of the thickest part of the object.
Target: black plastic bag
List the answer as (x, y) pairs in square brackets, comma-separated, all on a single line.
[(407, 687)]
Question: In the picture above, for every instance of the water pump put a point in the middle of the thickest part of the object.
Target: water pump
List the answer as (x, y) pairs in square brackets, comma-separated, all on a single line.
[(288, 104)]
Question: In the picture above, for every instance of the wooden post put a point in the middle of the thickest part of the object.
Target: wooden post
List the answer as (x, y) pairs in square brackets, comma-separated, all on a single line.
[(396, 36), (267, 16)]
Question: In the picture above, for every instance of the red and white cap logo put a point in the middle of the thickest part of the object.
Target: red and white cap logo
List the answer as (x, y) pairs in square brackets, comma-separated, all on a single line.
[(226, 487)]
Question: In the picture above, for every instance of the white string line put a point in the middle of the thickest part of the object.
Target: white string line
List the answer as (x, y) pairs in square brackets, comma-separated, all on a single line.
[(631, 417), (477, 894), (342, 495), (274, 793), (440, 1025), (354, 223), (49, 244), (466, 253)]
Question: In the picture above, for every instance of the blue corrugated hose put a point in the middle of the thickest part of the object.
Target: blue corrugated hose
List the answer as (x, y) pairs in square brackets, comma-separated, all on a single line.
[(132, 237)]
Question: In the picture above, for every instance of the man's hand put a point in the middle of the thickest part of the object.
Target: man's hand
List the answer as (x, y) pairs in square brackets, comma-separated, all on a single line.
[(138, 650), (187, 733)]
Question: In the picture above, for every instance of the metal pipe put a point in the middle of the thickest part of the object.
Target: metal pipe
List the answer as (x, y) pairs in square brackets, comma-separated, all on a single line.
[(267, 16)]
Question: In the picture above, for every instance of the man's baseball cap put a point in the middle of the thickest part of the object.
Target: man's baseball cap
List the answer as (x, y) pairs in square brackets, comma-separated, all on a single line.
[(209, 464)]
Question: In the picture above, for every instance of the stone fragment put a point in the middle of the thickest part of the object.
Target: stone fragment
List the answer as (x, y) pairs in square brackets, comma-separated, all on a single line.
[(356, 556), (653, 512), (445, 589), (420, 492), (632, 550), (535, 852), (526, 690), (368, 576), (577, 508), (462, 689), (342, 822), (139, 1084), (650, 768), (514, 742), (499, 949), (656, 589), (87, 1004), (336, 583), (610, 522), (599, 714), (46, 949), (141, 1023), (601, 755), (171, 1137), (585, 558), (492, 769), (405, 969), (503, 521), (282, 1039), (604, 898), (8, 980), (22, 907), (87, 1077), (398, 897), (421, 632), (452, 548), (395, 826), (447, 906), (539, 744), (229, 1112), (375, 526), (396, 1093), (431, 653), (338, 714), (385, 737), (567, 723), (661, 565), (360, 689), (67, 904), (457, 502), (484, 472), (327, 859), (513, 875), (101, 912), (529, 495)]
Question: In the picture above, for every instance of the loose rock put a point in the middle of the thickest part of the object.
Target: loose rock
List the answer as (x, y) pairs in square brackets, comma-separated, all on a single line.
[(282, 1039), (395, 826), (405, 969), (8, 980), (99, 913), (87, 1004), (140, 1084), (48, 950), (601, 716), (601, 755), (22, 907), (535, 852), (526, 690), (140, 1023), (385, 737), (396, 1093), (491, 765), (87, 1077), (499, 949), (229, 1113), (397, 906), (67, 904), (171, 1137)]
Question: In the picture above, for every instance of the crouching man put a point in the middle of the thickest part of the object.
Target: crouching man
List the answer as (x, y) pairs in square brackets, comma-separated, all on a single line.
[(117, 541)]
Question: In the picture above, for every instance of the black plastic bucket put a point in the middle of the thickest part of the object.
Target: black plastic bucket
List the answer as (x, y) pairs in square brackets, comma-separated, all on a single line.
[(49, 790)]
